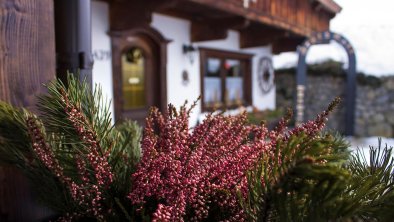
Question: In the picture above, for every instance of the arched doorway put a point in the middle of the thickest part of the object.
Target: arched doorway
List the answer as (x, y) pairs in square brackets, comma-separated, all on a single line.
[(139, 72), (325, 38)]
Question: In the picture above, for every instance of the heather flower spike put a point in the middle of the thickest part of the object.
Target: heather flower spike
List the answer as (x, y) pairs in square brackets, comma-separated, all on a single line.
[(191, 172)]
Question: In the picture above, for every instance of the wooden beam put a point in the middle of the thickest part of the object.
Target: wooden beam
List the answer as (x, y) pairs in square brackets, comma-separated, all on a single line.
[(207, 29), (203, 32), (126, 14), (233, 22), (329, 5), (27, 50), (260, 36), (27, 60), (286, 45)]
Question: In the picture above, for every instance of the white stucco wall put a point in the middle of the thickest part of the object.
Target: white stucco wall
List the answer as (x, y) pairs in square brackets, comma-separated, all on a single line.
[(178, 32), (101, 49), (261, 100)]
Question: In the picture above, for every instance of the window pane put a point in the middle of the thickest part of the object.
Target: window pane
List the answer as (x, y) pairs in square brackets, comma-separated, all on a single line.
[(213, 67), (212, 83), (133, 79), (234, 82), (233, 68)]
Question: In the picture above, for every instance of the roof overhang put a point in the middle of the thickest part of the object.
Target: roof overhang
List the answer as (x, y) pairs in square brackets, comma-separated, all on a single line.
[(283, 24), (329, 5)]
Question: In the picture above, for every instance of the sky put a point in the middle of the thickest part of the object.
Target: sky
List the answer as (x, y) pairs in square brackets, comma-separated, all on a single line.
[(369, 27)]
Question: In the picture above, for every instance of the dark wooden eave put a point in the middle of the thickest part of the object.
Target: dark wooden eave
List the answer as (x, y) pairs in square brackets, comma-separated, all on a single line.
[(127, 14), (296, 16), (212, 29), (281, 23)]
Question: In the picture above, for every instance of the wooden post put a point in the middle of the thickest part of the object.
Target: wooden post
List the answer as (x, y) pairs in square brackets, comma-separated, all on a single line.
[(27, 60)]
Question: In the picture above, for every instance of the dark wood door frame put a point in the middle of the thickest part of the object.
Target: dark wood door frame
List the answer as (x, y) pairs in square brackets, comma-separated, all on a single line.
[(155, 49)]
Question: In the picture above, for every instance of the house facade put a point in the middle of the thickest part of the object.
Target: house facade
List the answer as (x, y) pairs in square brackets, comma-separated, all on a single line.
[(151, 53)]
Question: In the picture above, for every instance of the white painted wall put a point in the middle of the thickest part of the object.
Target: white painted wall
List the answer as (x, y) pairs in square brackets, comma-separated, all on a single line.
[(178, 31), (101, 48), (261, 100)]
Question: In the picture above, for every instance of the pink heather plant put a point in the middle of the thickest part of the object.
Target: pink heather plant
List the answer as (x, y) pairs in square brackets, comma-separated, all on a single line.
[(94, 171), (196, 174)]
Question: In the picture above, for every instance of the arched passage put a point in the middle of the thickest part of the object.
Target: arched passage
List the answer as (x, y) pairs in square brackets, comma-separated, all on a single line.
[(325, 38)]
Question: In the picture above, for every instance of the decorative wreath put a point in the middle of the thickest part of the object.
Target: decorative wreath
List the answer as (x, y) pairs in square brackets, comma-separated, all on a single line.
[(265, 75)]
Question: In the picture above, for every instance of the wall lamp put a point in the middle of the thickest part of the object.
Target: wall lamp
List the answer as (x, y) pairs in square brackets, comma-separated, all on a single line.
[(189, 51)]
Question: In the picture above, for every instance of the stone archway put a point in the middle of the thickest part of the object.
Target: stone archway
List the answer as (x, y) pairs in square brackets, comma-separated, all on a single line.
[(325, 38)]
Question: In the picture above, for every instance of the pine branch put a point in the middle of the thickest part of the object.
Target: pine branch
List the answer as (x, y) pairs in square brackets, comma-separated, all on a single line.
[(301, 177), (370, 196), (56, 108), (14, 139), (79, 164), (302, 185)]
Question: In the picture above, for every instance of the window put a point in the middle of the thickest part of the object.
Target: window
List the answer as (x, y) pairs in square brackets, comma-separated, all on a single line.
[(133, 79), (225, 79)]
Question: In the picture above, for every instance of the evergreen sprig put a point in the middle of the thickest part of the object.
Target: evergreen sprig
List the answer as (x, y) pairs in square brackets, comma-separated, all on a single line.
[(79, 164), (369, 195), (322, 182)]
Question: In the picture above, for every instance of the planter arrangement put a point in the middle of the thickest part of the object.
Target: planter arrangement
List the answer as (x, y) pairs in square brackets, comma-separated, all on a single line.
[(224, 169)]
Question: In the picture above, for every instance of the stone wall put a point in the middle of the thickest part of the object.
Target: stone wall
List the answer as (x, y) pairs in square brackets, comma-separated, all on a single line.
[(375, 108), (374, 99)]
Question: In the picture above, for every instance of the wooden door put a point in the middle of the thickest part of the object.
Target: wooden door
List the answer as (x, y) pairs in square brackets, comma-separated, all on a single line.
[(137, 76)]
